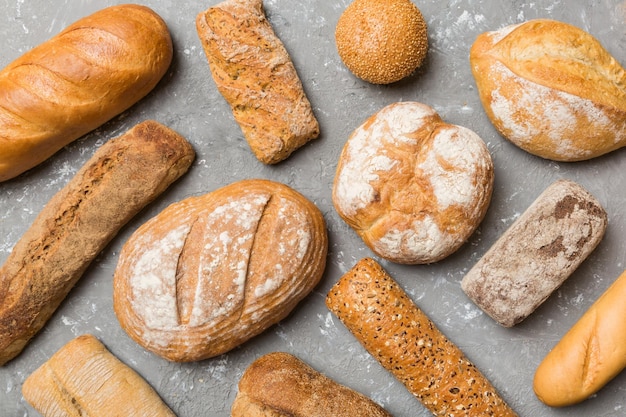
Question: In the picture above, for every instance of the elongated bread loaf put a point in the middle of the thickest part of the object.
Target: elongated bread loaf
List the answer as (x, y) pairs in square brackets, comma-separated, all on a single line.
[(281, 385), (551, 89), (93, 70), (212, 271), (84, 379), (408, 344), (590, 354), (120, 179), (535, 256), (255, 74)]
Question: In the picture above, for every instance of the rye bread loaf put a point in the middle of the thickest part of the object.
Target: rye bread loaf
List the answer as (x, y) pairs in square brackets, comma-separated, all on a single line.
[(409, 345), (281, 385), (212, 271), (119, 180), (537, 253)]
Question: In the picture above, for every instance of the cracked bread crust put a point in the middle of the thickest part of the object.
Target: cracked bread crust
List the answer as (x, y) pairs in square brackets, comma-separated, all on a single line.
[(212, 271), (119, 180)]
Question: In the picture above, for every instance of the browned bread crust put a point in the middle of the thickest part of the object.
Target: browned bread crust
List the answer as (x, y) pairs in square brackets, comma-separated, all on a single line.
[(210, 272), (93, 70), (120, 179), (409, 345), (281, 385), (84, 379), (255, 74)]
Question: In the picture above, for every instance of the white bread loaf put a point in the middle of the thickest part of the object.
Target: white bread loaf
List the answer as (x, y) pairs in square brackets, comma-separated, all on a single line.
[(90, 72), (589, 355), (413, 187), (84, 379), (210, 272), (551, 89)]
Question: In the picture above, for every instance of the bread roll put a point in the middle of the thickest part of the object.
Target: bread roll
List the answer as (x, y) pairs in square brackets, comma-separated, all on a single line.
[(590, 354), (281, 385), (120, 179), (382, 41), (93, 70), (254, 72), (210, 272), (537, 253), (84, 379), (551, 89), (409, 345), (413, 187)]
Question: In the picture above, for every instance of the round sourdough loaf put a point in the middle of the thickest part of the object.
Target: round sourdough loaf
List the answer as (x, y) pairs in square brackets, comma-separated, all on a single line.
[(412, 186), (551, 89), (210, 272)]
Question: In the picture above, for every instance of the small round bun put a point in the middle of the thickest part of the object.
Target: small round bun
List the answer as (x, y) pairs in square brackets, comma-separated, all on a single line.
[(382, 41), (413, 187)]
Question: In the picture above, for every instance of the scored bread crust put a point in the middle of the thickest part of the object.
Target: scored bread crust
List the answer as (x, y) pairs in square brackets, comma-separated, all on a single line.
[(412, 186), (281, 385), (120, 179), (93, 70), (552, 89), (408, 344), (254, 73), (84, 379), (212, 271)]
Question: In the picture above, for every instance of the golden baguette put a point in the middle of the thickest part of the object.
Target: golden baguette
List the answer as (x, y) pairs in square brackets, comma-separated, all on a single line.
[(119, 180), (408, 344), (84, 379), (280, 384), (254, 72), (590, 354), (93, 70)]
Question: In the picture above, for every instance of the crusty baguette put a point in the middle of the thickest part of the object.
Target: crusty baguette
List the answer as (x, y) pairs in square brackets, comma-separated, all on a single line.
[(93, 70), (409, 345), (121, 178), (535, 256), (552, 89), (212, 271), (254, 72), (281, 385), (84, 379), (590, 354)]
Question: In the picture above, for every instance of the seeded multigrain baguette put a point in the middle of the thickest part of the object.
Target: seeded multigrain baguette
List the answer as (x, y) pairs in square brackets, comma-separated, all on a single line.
[(120, 179), (254, 72), (84, 379), (408, 344)]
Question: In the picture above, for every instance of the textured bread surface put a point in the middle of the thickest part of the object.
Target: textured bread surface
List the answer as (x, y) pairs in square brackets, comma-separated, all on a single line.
[(210, 272), (409, 345), (280, 384), (537, 253), (90, 72), (120, 179), (589, 355), (551, 89), (84, 379), (254, 72), (382, 41), (412, 186)]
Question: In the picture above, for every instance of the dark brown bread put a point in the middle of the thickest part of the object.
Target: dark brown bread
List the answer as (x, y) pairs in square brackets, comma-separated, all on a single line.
[(408, 344), (121, 178), (93, 70), (256, 76), (281, 385), (84, 379)]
